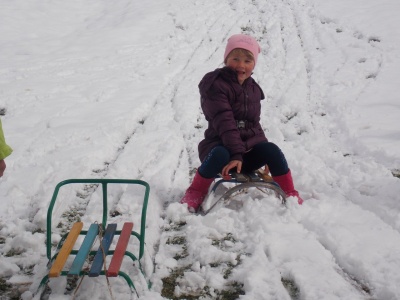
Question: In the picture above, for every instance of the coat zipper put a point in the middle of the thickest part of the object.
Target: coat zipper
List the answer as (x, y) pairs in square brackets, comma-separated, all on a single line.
[(246, 96)]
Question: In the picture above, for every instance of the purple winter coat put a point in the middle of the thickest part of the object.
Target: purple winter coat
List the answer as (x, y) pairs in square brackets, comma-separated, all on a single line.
[(225, 102)]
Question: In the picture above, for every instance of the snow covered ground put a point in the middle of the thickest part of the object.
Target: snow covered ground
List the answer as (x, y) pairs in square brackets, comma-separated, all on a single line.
[(108, 89)]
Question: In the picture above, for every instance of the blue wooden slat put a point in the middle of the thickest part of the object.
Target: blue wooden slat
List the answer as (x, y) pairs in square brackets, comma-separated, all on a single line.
[(97, 265), (84, 250)]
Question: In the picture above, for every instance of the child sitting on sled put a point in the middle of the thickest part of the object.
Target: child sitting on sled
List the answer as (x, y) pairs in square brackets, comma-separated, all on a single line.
[(234, 139)]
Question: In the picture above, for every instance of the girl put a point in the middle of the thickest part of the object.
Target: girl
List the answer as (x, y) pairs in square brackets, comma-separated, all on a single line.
[(234, 139)]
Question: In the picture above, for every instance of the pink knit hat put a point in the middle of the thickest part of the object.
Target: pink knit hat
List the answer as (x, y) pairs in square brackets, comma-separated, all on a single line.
[(244, 42)]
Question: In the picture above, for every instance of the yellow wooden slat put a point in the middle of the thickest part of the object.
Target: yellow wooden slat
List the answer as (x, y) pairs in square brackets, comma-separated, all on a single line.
[(66, 249)]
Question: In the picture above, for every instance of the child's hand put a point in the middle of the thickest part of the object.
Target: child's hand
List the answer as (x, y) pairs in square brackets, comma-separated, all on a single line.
[(266, 169), (2, 167), (232, 164)]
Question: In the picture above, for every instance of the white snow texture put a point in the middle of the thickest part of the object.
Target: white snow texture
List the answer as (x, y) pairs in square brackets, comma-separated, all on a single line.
[(108, 89)]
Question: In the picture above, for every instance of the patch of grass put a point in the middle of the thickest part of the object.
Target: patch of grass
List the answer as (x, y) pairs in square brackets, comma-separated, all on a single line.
[(215, 264), (115, 213), (181, 241), (374, 39), (174, 226), (176, 240), (169, 282), (228, 270), (89, 188), (220, 243), (8, 291), (4, 286), (291, 287), (227, 267), (230, 267), (290, 117), (246, 29), (301, 131), (235, 289), (14, 252), (38, 230), (72, 283), (182, 254), (28, 270), (72, 216)]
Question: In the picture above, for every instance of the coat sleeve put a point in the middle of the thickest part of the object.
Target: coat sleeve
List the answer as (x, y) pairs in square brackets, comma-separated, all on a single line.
[(5, 150), (218, 111)]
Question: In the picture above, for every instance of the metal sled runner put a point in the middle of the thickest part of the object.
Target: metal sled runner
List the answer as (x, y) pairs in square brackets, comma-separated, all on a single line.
[(68, 245), (241, 182)]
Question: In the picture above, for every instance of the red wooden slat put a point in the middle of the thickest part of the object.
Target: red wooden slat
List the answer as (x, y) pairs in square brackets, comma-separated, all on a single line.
[(119, 252)]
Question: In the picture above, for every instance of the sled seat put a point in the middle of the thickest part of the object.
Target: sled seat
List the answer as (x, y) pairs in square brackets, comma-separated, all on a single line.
[(82, 254), (83, 248)]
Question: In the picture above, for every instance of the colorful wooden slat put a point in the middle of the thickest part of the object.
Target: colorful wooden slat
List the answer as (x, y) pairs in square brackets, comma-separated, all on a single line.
[(65, 250), (98, 261), (120, 249), (84, 250)]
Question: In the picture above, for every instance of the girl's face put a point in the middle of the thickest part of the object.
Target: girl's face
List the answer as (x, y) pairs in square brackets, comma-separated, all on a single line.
[(242, 63)]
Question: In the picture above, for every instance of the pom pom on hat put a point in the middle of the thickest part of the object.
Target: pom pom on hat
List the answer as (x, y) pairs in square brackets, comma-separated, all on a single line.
[(244, 42)]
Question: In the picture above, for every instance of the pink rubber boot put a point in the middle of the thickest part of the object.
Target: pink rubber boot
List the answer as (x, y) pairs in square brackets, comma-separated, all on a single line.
[(286, 184), (196, 192)]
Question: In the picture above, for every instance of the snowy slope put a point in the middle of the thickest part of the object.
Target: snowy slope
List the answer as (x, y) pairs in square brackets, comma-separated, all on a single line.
[(108, 89)]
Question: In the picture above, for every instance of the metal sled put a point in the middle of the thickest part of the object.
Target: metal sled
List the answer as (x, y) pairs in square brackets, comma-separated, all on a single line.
[(241, 183), (81, 251)]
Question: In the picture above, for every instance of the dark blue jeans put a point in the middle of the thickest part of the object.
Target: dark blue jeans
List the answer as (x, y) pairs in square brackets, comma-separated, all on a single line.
[(262, 154)]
